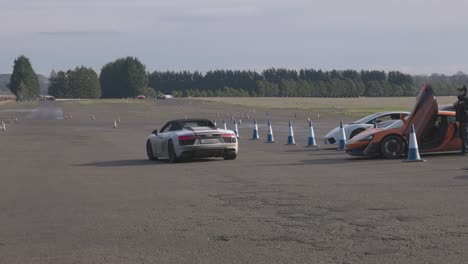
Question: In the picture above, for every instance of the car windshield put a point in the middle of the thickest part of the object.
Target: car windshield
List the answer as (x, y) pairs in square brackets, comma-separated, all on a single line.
[(396, 124), (197, 123), (366, 119), (386, 123)]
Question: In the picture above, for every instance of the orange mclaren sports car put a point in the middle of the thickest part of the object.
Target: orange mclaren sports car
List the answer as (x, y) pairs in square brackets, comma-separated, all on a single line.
[(436, 131)]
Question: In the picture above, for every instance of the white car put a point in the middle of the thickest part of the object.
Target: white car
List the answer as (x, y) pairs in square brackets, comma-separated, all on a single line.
[(191, 138), (382, 119)]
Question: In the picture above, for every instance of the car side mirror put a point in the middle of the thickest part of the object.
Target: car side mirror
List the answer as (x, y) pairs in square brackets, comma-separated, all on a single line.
[(155, 132)]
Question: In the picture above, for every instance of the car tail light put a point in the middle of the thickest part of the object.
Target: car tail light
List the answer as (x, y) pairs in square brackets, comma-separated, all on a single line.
[(188, 137), (229, 138), (187, 140)]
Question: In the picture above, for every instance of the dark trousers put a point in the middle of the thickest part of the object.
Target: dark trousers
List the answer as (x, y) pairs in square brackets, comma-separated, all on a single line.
[(463, 134)]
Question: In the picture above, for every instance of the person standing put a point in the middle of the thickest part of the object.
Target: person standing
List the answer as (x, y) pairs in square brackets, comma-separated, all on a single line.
[(461, 108)]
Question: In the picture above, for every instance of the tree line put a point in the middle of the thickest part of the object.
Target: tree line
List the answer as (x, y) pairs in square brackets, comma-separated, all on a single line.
[(128, 77), (443, 84), (283, 83)]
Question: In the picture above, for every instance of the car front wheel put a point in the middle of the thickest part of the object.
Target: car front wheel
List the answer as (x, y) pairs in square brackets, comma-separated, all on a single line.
[(392, 147)]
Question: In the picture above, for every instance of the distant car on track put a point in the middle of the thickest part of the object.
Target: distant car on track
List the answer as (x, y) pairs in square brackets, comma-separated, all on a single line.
[(165, 96), (436, 131), (141, 96), (185, 139), (382, 119)]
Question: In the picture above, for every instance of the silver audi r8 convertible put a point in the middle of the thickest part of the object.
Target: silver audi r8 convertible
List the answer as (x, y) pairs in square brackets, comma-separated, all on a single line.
[(191, 138)]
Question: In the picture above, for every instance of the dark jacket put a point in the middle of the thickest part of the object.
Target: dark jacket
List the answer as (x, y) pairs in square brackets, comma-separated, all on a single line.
[(461, 108)]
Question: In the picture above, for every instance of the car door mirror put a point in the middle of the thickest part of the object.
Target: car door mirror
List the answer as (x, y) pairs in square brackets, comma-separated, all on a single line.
[(155, 132)]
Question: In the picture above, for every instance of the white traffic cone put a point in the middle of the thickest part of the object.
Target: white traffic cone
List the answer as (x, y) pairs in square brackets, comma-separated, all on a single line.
[(413, 150), (214, 123), (341, 138), (255, 135), (291, 140), (115, 123), (236, 130), (311, 139), (224, 124), (118, 119), (270, 138), (3, 126)]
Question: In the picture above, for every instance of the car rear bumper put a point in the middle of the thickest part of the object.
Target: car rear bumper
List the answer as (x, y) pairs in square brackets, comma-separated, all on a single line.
[(195, 152)]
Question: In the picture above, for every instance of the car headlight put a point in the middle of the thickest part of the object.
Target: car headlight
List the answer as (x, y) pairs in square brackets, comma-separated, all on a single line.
[(368, 138)]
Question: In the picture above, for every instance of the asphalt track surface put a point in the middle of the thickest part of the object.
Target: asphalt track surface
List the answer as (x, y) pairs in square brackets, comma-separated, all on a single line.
[(79, 191)]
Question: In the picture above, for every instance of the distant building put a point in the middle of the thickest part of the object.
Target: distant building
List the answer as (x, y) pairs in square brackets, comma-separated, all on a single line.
[(46, 98), (7, 98)]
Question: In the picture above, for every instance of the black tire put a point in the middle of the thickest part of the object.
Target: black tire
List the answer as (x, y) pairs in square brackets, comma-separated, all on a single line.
[(392, 147), (355, 132), (149, 151), (230, 156), (171, 152)]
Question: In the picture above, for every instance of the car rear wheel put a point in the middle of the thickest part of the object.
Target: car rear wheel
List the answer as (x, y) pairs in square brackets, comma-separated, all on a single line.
[(171, 153), (392, 147), (355, 132), (149, 151)]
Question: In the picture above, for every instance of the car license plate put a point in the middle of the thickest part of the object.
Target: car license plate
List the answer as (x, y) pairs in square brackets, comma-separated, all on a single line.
[(209, 141)]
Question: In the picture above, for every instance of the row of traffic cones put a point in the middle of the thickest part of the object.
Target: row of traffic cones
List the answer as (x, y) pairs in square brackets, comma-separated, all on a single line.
[(270, 138), (240, 116), (413, 151), (116, 121), (93, 117)]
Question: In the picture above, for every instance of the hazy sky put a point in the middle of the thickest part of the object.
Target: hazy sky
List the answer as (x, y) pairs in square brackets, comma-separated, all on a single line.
[(415, 36)]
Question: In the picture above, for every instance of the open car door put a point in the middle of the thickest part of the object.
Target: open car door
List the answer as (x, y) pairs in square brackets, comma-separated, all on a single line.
[(424, 113)]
